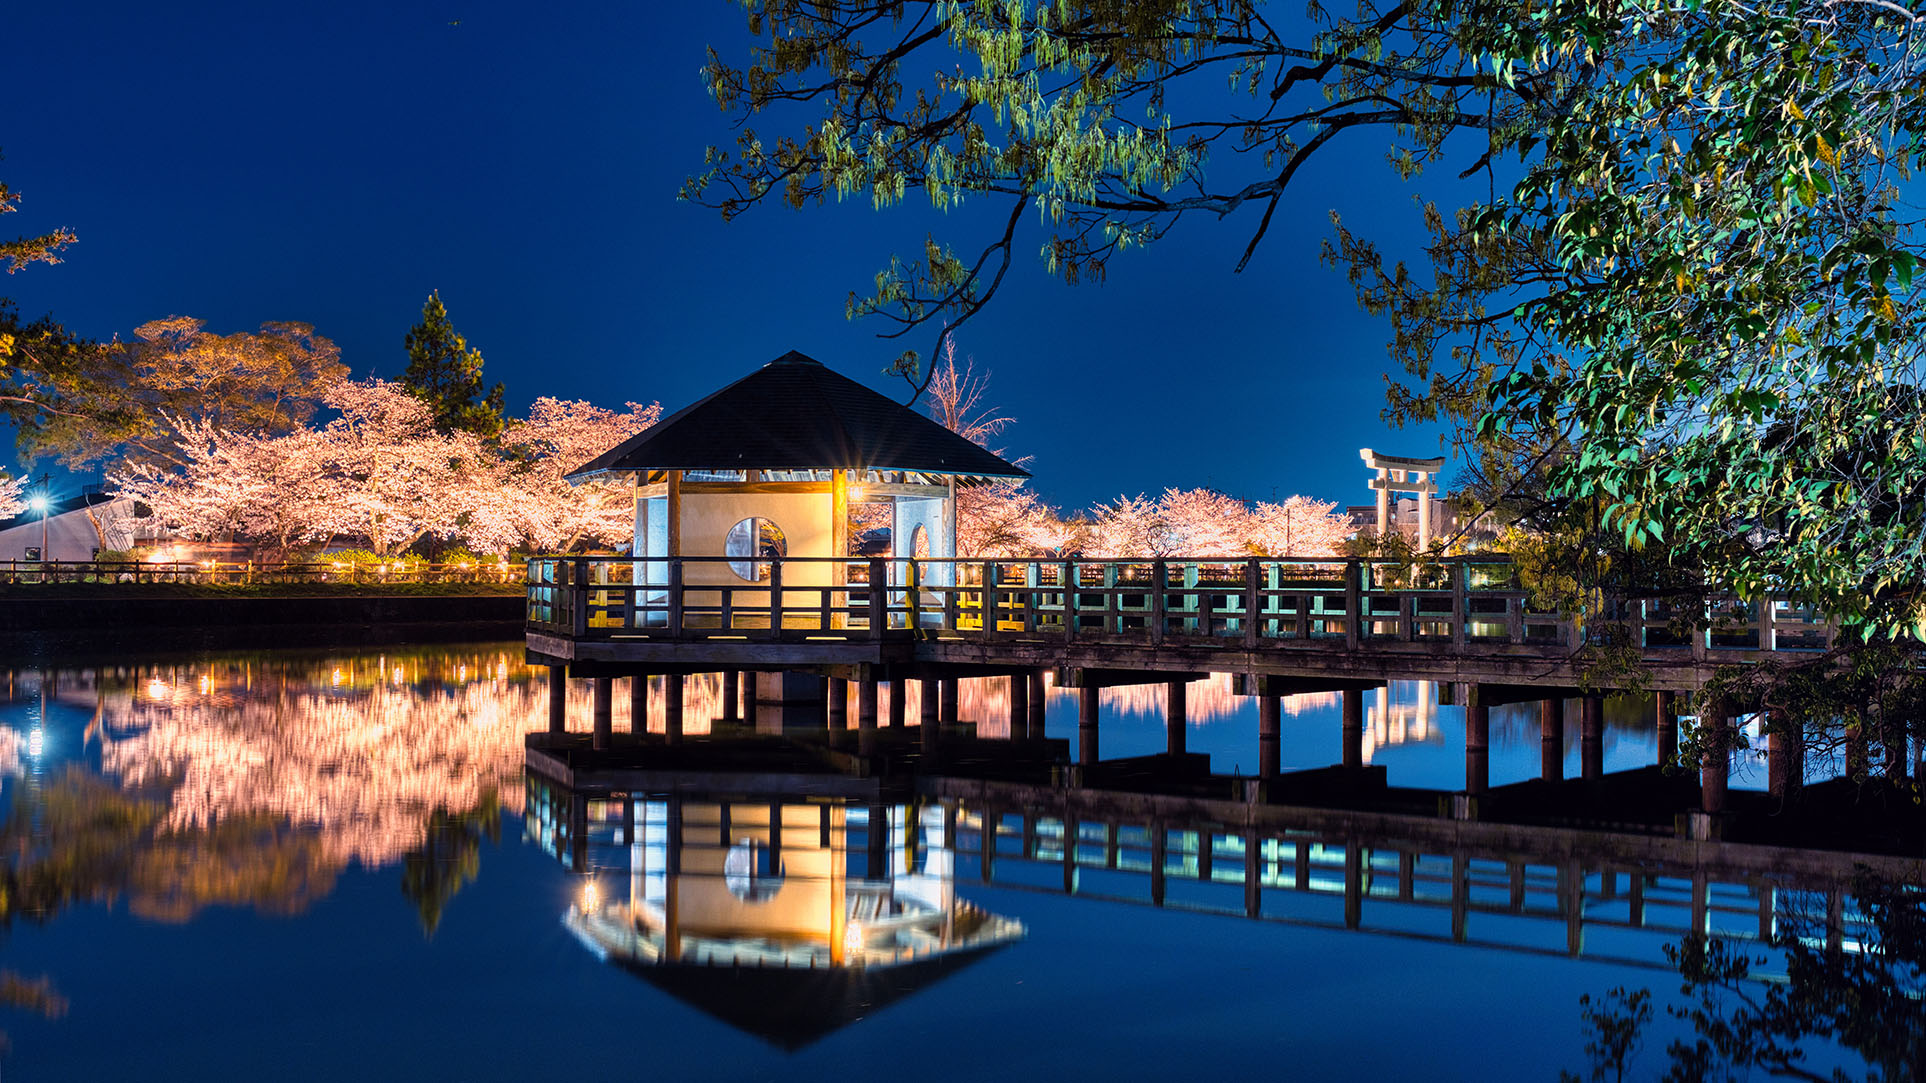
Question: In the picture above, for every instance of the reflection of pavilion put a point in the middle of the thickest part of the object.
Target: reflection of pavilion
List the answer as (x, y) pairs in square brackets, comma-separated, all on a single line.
[(761, 911)]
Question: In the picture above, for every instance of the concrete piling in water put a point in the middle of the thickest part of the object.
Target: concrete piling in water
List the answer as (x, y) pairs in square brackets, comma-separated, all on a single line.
[(947, 703), (1477, 741), (1175, 721), (1087, 700), (838, 704), (1551, 739), (898, 704), (639, 703), (1270, 744), (866, 716), (1036, 699), (1591, 738), (603, 713), (1019, 706), (1668, 727), (731, 696), (1353, 727), (557, 699), (672, 688), (1714, 759)]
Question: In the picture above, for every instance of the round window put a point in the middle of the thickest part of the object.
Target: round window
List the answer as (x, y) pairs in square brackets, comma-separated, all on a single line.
[(755, 541)]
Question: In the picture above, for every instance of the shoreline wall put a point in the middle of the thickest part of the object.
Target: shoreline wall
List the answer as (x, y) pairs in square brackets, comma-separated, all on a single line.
[(56, 629)]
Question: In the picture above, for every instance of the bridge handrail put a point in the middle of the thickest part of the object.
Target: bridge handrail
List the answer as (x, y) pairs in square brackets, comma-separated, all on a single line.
[(1247, 601)]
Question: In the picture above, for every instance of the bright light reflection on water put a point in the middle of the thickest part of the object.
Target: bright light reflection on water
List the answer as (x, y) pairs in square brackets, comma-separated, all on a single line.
[(311, 864)]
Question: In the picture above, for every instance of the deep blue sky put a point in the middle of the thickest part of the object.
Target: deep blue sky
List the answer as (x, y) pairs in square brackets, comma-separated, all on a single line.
[(334, 162)]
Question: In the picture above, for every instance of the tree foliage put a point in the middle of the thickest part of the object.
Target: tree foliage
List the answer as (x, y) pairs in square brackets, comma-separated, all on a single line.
[(1694, 316), (445, 372), (1105, 121)]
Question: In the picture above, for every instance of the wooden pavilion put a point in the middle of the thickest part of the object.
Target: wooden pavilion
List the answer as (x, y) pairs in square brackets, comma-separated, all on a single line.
[(769, 467)]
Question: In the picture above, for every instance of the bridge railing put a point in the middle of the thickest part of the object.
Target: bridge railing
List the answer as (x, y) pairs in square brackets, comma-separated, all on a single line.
[(1459, 602)]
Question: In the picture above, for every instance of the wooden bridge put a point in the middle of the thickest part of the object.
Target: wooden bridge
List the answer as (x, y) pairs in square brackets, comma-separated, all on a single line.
[(1463, 619)]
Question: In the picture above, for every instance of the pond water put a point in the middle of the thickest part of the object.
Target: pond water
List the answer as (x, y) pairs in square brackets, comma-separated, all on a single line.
[(327, 864)]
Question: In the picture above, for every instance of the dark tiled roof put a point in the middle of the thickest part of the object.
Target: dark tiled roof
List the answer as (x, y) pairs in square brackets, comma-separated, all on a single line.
[(796, 414)]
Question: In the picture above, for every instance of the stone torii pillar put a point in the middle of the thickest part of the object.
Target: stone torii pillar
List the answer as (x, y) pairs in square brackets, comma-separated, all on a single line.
[(1400, 475)]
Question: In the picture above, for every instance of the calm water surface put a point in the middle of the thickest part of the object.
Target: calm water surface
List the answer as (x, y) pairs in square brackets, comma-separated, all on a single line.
[(309, 865)]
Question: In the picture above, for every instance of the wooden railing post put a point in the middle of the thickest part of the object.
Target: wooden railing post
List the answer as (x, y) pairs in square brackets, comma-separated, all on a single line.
[(989, 599), (675, 597), (578, 598), (775, 598), (1252, 600), (1460, 603), (1159, 582), (913, 573), (878, 600), (1353, 605), (1070, 584)]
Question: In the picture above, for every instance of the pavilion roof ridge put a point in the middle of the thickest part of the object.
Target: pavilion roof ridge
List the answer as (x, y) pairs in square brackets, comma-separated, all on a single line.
[(796, 413)]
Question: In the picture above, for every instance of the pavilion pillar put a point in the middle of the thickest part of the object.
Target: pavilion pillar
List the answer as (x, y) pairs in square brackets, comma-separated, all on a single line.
[(1270, 743), (1176, 721), (1591, 738), (866, 716), (672, 689), (1477, 740), (557, 699), (1668, 727), (639, 703), (898, 704), (1087, 700), (1714, 757), (838, 704), (1551, 739), (731, 695), (603, 712), (1019, 706), (1785, 755), (1037, 701), (947, 703), (1353, 727)]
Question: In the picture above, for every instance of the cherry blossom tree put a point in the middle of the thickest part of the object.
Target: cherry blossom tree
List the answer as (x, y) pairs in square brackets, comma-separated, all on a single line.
[(556, 437), (1000, 518), (12, 496), (1299, 526)]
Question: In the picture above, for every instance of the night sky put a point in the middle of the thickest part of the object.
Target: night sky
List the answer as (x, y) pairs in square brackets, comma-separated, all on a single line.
[(332, 163)]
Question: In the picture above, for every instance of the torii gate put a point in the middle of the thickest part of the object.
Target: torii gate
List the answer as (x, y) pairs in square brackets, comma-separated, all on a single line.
[(1396, 475)]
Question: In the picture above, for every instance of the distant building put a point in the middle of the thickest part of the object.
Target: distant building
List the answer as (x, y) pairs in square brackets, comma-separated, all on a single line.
[(69, 532)]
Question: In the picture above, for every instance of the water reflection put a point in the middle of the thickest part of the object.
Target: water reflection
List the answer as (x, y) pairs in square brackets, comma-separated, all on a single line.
[(787, 918)]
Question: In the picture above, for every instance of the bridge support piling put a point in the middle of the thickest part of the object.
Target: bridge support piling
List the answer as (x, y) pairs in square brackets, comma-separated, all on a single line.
[(1668, 727), (731, 695), (672, 688), (1270, 744), (898, 704), (557, 699), (1175, 720), (1037, 703), (1785, 755), (1353, 727), (866, 716), (1087, 699), (1714, 759), (1591, 738), (947, 703), (926, 707), (1477, 741), (1019, 706), (639, 703), (748, 681), (838, 704), (603, 713), (1551, 739)]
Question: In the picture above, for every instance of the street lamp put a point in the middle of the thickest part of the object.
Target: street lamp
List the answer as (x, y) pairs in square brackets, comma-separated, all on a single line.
[(41, 504)]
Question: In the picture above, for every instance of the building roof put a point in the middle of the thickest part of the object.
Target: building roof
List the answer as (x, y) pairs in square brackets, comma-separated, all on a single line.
[(795, 413)]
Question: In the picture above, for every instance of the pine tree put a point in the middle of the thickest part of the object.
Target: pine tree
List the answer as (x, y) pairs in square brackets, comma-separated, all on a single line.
[(446, 373)]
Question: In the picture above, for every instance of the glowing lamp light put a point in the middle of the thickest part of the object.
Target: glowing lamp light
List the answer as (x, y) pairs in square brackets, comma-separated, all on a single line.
[(36, 742), (857, 492), (157, 688), (853, 940), (38, 502), (591, 897)]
